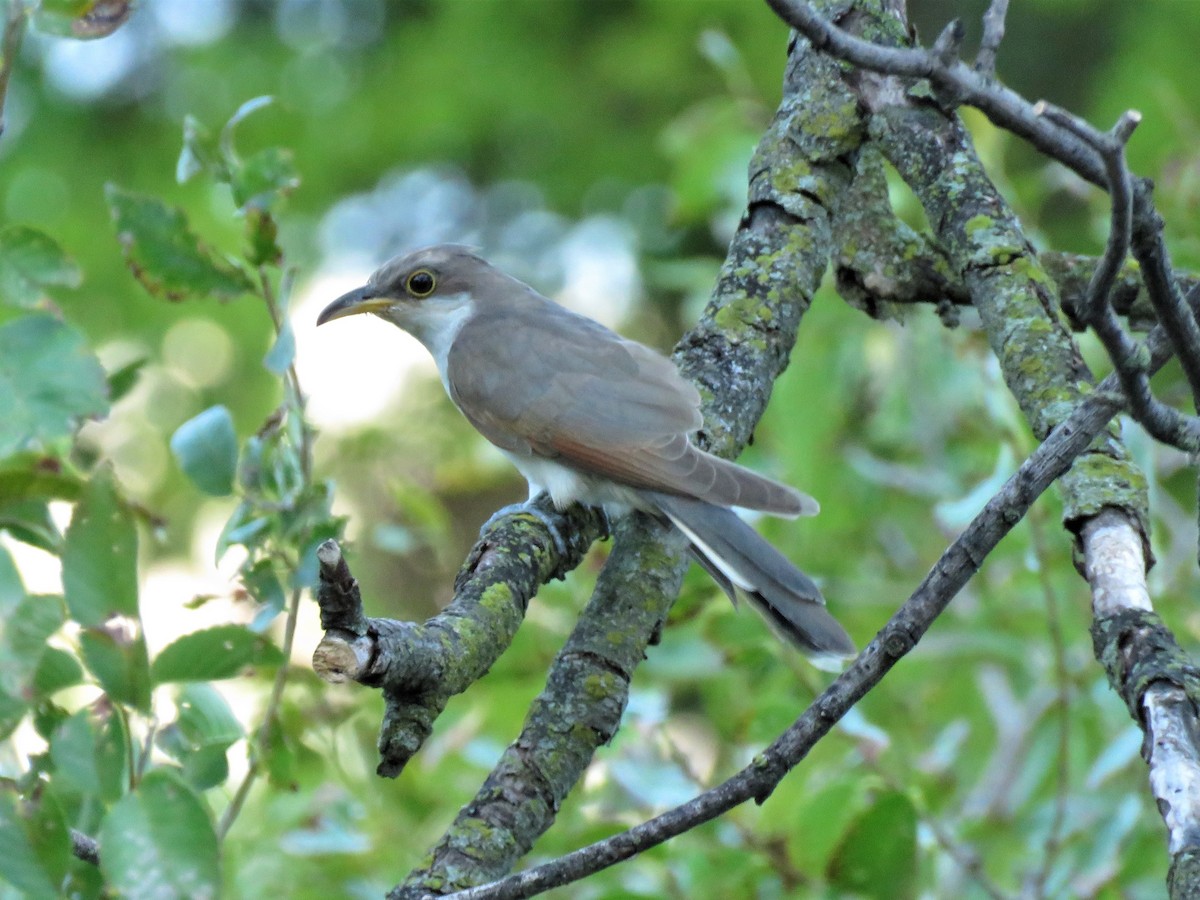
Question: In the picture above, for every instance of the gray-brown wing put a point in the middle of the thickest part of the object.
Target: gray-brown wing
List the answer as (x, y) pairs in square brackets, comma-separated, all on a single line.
[(522, 379), (555, 384)]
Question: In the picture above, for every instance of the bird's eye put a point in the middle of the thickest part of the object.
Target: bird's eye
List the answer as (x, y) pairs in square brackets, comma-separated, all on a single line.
[(421, 283)]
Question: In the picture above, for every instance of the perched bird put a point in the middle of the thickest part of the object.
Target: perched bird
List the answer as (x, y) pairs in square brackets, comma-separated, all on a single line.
[(589, 416)]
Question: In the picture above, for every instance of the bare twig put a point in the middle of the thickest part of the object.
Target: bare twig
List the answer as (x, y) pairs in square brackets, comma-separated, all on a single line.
[(85, 848), (993, 35), (1161, 421)]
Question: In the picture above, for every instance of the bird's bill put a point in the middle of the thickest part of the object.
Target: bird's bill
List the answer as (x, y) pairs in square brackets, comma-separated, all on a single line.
[(359, 300)]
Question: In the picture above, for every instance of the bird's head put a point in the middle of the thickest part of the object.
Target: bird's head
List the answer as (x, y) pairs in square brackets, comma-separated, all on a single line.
[(411, 290)]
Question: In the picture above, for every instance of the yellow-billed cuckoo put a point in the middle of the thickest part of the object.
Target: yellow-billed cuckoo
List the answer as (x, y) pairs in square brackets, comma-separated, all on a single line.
[(589, 416)]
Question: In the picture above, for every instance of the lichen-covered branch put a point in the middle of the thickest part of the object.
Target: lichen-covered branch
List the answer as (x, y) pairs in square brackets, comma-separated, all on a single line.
[(891, 67), (579, 711), (1041, 366), (1159, 684), (1016, 300), (420, 666)]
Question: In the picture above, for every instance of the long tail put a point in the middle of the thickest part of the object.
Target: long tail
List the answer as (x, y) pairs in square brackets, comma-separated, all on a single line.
[(744, 564)]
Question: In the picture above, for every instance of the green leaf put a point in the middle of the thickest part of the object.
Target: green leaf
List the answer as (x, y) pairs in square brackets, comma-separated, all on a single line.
[(120, 663), (262, 582), (264, 178), (57, 669), (199, 153), (159, 843), (30, 522), (89, 752), (30, 262), (26, 630), (12, 589), (877, 856), (49, 379), (165, 256), (283, 351), (212, 654), (247, 109), (35, 476), (122, 381), (199, 737), (205, 719), (206, 447), (12, 711), (100, 557), (35, 847)]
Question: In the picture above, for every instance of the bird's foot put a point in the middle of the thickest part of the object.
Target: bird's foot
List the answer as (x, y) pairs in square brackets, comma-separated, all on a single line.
[(528, 508)]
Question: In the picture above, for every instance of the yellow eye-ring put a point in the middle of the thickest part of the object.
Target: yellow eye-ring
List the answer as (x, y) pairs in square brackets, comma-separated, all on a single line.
[(421, 283)]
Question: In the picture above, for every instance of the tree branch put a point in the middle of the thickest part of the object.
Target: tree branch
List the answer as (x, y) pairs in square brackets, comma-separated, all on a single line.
[(420, 666), (1074, 145)]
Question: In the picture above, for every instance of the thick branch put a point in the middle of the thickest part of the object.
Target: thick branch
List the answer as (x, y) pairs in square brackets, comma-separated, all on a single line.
[(420, 666), (1160, 685), (579, 711)]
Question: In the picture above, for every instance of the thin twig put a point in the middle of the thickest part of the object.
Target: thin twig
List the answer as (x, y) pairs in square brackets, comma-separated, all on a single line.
[(993, 35), (84, 847), (1162, 422)]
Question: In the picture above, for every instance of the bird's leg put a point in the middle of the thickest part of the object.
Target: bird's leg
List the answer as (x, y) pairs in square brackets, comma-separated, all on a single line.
[(529, 507)]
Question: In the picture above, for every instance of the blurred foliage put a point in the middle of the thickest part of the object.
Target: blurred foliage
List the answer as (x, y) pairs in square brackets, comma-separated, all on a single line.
[(163, 224)]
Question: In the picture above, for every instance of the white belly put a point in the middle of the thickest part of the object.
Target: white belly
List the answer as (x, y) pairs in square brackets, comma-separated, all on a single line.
[(566, 485)]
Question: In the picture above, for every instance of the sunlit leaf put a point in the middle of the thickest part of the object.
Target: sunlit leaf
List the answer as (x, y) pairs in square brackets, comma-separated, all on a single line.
[(206, 447), (159, 842), (164, 254), (30, 262), (213, 653), (100, 557), (49, 380)]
